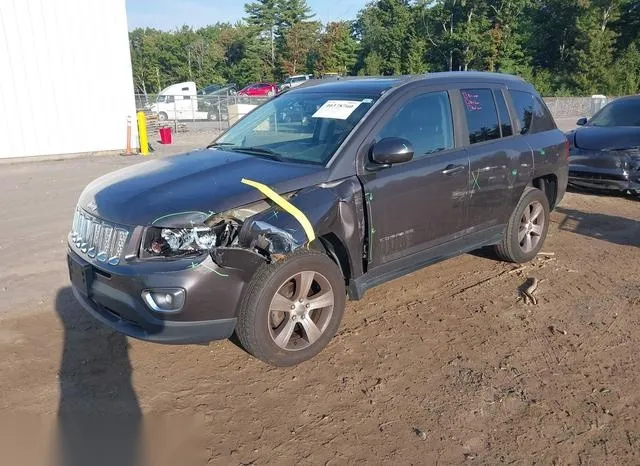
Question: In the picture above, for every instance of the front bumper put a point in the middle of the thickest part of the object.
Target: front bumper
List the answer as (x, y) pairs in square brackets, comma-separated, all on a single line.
[(619, 181), (614, 170), (115, 300)]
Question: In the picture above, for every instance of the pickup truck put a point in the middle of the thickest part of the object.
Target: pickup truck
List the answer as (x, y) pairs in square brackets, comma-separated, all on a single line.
[(268, 230)]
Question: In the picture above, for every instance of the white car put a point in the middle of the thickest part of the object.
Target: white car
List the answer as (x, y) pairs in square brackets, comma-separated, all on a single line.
[(295, 81)]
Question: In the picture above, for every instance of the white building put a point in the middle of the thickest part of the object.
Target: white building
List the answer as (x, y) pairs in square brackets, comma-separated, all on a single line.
[(65, 77)]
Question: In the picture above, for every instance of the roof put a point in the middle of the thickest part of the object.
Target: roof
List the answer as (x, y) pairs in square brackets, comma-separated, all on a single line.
[(380, 84), (365, 85), (475, 76), (626, 97)]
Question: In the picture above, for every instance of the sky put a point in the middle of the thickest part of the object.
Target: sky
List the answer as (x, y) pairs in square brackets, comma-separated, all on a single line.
[(169, 14)]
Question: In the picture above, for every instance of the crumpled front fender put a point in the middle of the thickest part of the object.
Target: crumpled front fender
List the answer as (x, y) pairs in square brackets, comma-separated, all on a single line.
[(334, 209)]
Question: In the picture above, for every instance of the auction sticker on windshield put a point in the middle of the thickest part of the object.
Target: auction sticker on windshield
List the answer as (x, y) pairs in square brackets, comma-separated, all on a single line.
[(337, 109)]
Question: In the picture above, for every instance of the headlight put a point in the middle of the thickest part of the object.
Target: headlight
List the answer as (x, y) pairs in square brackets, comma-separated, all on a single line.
[(188, 239), (215, 231)]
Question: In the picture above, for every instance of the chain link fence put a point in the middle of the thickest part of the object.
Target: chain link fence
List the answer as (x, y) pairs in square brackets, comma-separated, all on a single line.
[(198, 113)]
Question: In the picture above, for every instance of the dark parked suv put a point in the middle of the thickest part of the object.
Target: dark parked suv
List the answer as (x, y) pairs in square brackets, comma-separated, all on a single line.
[(268, 229)]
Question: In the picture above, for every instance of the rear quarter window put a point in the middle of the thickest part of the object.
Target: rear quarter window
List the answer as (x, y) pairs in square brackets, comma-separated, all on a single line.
[(533, 115)]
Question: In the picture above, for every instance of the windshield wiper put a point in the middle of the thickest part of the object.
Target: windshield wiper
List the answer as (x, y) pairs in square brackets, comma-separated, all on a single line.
[(259, 151), (213, 145)]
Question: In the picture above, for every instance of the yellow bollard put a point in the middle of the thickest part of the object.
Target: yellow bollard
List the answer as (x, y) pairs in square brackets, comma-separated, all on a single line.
[(142, 134)]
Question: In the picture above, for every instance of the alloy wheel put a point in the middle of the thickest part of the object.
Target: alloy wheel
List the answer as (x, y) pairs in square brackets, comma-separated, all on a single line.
[(531, 226), (300, 311)]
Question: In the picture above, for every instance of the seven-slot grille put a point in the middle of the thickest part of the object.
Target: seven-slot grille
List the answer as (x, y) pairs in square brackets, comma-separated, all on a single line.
[(97, 238)]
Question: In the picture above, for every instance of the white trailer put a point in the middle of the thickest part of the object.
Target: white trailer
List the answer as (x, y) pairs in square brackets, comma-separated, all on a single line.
[(179, 102)]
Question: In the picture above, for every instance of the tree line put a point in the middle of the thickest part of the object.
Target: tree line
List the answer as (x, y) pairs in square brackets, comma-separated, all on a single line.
[(565, 47)]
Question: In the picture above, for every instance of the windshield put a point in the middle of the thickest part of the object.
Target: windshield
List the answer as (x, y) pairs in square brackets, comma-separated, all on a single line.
[(305, 127), (618, 113), (209, 89)]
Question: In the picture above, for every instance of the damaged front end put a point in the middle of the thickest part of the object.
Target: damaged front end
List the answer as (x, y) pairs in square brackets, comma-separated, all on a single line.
[(187, 235), (615, 169), (243, 238)]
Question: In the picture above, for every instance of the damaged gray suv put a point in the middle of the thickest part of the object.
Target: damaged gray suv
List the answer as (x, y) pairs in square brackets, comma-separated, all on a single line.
[(267, 231)]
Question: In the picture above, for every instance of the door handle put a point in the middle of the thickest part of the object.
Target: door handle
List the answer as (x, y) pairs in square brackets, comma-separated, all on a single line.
[(451, 169)]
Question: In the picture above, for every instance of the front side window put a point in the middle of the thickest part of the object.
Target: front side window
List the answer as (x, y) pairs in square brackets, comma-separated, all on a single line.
[(306, 127), (618, 113), (425, 121), (482, 116)]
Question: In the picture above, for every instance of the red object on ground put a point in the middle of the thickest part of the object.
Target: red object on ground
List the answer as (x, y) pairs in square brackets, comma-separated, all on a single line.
[(165, 135)]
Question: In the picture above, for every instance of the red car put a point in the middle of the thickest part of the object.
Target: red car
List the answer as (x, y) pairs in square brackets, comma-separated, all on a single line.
[(259, 90)]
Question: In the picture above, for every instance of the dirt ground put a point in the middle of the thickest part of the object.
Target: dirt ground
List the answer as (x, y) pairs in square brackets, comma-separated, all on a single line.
[(444, 366)]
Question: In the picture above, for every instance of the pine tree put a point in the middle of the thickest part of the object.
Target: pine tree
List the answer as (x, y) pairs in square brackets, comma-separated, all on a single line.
[(383, 28), (593, 57), (263, 15), (298, 43), (628, 72), (338, 49)]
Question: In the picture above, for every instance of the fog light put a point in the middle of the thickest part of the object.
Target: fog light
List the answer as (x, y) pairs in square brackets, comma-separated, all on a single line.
[(166, 300)]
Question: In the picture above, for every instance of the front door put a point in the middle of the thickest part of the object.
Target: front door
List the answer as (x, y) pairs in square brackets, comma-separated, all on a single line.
[(419, 204)]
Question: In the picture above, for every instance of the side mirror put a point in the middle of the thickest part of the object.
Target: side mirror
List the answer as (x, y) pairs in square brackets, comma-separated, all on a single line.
[(388, 151), (581, 122)]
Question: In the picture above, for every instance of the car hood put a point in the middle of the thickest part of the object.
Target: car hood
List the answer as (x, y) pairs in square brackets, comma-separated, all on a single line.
[(204, 181), (606, 138)]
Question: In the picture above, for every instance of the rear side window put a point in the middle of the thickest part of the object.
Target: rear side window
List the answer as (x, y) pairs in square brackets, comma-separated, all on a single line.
[(532, 113), (482, 116), (503, 113)]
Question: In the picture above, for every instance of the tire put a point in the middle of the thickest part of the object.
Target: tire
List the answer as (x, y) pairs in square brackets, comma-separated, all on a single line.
[(273, 332), (527, 228), (271, 93), (162, 116), (212, 116)]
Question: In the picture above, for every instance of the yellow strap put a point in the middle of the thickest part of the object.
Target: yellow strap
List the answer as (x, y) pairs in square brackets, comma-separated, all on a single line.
[(285, 205)]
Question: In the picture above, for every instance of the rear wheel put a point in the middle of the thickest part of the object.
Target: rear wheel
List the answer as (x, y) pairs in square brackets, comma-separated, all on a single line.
[(527, 228), (162, 116), (292, 309)]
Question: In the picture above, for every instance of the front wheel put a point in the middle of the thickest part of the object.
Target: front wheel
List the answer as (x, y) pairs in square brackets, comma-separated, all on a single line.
[(292, 309), (527, 228)]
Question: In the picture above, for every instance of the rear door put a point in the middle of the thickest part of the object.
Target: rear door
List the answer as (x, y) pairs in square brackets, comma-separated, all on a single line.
[(419, 204), (500, 161), (548, 143)]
